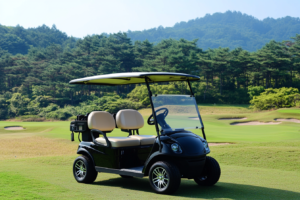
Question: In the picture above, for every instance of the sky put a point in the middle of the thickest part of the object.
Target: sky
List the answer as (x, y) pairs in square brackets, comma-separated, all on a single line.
[(80, 18)]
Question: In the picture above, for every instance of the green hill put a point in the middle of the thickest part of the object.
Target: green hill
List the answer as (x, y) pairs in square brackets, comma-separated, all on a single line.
[(18, 39), (230, 29)]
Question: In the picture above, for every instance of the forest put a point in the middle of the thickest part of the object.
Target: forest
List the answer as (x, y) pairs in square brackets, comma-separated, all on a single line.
[(230, 29), (35, 85)]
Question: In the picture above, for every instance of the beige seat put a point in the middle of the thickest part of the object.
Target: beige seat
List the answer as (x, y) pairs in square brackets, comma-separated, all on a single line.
[(129, 119), (144, 139), (119, 141), (133, 120), (105, 122)]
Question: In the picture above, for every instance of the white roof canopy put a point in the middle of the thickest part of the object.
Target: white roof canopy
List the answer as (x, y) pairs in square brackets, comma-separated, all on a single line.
[(134, 78)]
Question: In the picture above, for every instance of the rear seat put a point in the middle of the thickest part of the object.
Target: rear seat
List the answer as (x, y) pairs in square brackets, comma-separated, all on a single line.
[(132, 120), (105, 122)]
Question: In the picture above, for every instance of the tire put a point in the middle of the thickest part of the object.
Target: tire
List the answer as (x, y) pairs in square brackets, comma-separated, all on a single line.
[(84, 170), (164, 177), (124, 176), (211, 173)]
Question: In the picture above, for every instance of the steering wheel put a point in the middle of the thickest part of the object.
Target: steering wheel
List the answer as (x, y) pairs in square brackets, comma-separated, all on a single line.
[(165, 113)]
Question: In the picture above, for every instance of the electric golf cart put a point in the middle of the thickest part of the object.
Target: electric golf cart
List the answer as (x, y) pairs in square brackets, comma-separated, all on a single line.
[(172, 153)]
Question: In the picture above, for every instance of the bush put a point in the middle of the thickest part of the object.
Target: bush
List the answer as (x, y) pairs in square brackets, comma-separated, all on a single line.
[(31, 118), (58, 115), (18, 104), (276, 98), (255, 91)]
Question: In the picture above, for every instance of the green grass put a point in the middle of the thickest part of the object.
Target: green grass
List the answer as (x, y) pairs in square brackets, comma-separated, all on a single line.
[(263, 162), (297, 111)]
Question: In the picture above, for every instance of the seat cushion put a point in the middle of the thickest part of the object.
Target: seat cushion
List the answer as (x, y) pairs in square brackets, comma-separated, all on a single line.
[(101, 120), (144, 139), (129, 119), (119, 141)]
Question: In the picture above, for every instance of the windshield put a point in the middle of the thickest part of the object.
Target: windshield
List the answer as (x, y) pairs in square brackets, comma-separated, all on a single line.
[(176, 112)]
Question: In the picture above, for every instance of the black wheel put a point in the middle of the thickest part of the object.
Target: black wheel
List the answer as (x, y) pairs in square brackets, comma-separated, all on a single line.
[(124, 176), (84, 170), (164, 177), (211, 173)]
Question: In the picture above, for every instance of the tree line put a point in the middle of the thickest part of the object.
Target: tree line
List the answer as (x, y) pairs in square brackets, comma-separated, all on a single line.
[(37, 82)]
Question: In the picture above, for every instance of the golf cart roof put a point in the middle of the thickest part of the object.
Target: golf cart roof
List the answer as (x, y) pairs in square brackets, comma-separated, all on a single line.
[(134, 78)]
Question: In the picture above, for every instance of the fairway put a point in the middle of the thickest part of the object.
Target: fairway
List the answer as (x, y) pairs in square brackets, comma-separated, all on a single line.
[(262, 162)]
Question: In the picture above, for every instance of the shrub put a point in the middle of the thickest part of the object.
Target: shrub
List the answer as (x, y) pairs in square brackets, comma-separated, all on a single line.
[(255, 91), (276, 98), (31, 118)]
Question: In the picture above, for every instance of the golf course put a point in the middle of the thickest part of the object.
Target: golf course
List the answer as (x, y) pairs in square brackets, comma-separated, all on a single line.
[(259, 160)]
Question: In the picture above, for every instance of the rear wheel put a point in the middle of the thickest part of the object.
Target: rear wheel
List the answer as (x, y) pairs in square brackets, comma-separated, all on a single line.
[(164, 177), (211, 173), (84, 170)]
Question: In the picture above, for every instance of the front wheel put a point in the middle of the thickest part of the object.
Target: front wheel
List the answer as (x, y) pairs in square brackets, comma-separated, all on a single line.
[(84, 170), (164, 177), (211, 173)]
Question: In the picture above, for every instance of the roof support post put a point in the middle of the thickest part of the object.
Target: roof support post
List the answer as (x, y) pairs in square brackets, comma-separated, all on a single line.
[(192, 94), (190, 87), (153, 112)]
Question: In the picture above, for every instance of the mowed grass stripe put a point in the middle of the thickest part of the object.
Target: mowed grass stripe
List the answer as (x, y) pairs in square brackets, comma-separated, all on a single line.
[(17, 186), (236, 183)]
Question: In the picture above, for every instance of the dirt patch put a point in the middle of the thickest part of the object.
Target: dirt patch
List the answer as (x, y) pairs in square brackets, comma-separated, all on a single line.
[(14, 128), (218, 144), (235, 118), (254, 123), (288, 120), (34, 146)]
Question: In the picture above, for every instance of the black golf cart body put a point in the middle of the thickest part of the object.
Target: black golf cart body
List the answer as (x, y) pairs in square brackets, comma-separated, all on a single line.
[(178, 146)]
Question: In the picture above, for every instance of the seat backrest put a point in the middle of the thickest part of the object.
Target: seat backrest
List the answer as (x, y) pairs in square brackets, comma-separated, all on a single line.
[(129, 119), (101, 120)]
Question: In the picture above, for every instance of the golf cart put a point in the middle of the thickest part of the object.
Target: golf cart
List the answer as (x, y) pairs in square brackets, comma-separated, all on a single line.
[(173, 153)]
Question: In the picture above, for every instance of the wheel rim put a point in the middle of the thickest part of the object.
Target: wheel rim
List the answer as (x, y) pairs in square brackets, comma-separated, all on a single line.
[(80, 169), (160, 178)]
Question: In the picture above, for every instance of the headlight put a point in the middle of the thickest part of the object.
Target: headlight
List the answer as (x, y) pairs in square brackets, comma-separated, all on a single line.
[(205, 144), (176, 148)]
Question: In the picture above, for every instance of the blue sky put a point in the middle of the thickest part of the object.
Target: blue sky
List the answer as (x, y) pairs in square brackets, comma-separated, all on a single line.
[(79, 18)]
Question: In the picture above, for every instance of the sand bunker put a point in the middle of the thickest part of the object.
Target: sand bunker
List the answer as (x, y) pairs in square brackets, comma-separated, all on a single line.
[(194, 118), (288, 120), (218, 144), (235, 118), (13, 128), (254, 123)]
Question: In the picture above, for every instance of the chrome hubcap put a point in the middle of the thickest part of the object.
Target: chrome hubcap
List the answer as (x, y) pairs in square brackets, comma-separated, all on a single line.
[(160, 178), (80, 169)]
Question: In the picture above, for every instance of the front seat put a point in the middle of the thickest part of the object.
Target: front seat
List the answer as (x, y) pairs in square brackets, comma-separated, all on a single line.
[(129, 119), (104, 121)]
